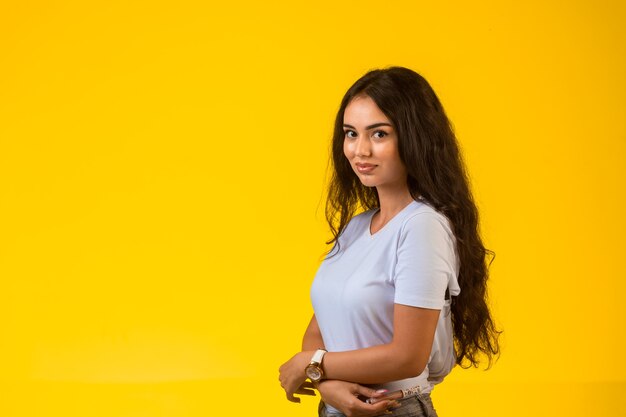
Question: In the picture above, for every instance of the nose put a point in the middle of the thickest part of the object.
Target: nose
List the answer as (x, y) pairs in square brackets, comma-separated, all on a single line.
[(363, 146)]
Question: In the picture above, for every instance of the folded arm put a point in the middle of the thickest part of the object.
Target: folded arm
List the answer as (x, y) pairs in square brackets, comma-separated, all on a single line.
[(340, 394), (404, 357)]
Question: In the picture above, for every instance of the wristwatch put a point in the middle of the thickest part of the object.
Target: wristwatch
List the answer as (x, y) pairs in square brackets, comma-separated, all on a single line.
[(314, 369)]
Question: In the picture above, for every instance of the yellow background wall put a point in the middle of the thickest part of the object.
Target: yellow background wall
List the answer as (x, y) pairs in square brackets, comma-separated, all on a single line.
[(161, 184)]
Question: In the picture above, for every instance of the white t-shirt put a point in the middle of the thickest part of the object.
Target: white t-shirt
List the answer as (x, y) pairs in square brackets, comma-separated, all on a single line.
[(410, 261)]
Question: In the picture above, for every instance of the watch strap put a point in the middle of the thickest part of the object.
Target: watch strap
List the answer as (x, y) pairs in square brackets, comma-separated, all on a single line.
[(318, 356)]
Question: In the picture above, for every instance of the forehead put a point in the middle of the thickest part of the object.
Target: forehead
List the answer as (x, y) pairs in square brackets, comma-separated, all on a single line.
[(363, 110)]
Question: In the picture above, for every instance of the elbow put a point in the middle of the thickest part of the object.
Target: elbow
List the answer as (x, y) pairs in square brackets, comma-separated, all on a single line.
[(413, 366)]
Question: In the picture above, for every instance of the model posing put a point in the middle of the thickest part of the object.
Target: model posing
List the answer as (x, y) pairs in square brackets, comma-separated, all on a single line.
[(401, 297)]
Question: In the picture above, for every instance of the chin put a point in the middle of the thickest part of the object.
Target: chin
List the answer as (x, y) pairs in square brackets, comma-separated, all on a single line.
[(368, 182)]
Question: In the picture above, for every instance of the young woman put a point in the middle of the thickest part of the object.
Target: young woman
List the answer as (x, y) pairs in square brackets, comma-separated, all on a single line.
[(401, 296)]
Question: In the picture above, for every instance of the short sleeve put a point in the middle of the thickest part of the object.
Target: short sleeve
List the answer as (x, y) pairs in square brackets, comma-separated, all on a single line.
[(426, 261)]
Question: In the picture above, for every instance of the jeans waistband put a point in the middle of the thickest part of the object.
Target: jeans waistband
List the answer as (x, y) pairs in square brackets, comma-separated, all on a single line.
[(411, 385)]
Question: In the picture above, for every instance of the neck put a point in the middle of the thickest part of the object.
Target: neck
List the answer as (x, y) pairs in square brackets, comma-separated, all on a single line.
[(392, 201)]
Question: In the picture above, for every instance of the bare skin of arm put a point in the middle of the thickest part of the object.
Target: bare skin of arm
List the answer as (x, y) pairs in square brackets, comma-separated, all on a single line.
[(340, 394), (404, 357), (312, 339)]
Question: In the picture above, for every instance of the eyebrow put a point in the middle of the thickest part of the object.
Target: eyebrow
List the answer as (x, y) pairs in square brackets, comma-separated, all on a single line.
[(370, 126)]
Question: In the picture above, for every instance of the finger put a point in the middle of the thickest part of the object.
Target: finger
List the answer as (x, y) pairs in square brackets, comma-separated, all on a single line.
[(380, 393), (365, 391), (390, 405), (292, 398), (380, 408)]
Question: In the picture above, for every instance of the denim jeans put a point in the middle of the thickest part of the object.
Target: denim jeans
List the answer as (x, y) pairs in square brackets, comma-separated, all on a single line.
[(419, 405)]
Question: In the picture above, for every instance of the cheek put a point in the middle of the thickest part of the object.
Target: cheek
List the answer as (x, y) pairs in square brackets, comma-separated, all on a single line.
[(394, 154), (347, 149), (401, 169), (389, 153), (393, 157)]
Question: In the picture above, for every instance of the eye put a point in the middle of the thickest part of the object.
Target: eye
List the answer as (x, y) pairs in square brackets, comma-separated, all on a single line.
[(379, 134), (350, 134)]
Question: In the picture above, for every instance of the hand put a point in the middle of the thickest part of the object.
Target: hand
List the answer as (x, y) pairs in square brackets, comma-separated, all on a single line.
[(292, 377), (344, 397)]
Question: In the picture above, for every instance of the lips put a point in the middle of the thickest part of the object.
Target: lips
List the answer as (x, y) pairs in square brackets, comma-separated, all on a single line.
[(364, 168)]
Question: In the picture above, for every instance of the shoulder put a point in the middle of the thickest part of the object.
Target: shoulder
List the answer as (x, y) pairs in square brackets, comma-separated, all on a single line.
[(424, 220)]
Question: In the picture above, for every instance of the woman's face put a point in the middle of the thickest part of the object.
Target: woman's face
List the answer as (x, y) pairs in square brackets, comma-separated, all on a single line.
[(371, 145)]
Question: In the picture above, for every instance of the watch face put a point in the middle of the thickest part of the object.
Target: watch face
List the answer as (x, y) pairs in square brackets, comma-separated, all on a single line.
[(313, 373)]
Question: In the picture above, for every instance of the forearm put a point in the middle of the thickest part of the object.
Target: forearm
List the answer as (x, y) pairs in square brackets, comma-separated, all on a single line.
[(312, 343), (312, 339), (405, 356), (377, 364)]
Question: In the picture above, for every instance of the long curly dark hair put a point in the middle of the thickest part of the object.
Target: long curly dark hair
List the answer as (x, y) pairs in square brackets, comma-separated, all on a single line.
[(436, 173)]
